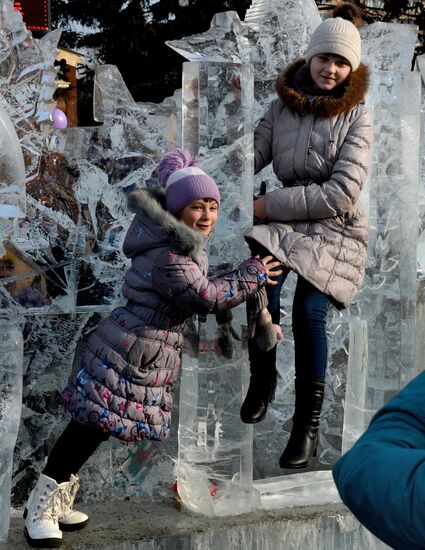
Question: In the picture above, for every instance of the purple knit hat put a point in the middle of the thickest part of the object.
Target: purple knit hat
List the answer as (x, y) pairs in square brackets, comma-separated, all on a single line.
[(184, 181)]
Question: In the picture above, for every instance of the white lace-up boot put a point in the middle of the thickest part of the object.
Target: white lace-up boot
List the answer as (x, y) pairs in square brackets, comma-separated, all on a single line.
[(69, 519), (41, 513), (49, 512)]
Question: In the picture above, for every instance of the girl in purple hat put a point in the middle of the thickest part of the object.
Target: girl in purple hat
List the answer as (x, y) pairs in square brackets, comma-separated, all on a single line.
[(123, 383)]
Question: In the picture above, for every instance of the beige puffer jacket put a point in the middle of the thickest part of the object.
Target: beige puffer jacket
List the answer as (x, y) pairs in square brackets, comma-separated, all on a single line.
[(321, 151)]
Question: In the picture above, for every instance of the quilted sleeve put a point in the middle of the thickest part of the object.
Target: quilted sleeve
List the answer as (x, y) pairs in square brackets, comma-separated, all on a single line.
[(181, 280)]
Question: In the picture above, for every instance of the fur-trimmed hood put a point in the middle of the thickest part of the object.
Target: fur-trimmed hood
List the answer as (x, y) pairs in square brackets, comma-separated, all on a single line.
[(328, 106), (154, 226)]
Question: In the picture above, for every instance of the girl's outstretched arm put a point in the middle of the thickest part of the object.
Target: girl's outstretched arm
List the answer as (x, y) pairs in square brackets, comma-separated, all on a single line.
[(182, 281)]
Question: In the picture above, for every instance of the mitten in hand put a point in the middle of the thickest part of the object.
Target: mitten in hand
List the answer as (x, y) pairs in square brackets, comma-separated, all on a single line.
[(254, 305), (265, 333)]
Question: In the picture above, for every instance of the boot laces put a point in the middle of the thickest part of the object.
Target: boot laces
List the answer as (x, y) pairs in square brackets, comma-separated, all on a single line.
[(68, 493), (51, 505)]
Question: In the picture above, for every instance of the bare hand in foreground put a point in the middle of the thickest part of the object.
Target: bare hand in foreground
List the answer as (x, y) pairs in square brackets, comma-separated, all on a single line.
[(270, 266)]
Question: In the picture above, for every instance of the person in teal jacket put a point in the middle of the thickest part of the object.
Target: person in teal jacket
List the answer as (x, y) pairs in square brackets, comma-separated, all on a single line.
[(382, 477)]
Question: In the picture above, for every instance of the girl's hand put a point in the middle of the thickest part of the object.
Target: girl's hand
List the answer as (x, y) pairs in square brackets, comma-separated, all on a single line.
[(270, 263), (260, 208)]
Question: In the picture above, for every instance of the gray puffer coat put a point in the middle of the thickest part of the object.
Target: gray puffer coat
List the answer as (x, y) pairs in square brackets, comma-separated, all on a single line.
[(321, 151), (123, 383)]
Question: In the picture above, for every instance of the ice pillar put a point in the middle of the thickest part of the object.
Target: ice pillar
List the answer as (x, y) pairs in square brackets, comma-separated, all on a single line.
[(11, 359), (215, 448), (217, 125), (12, 171), (12, 205), (420, 311), (382, 343)]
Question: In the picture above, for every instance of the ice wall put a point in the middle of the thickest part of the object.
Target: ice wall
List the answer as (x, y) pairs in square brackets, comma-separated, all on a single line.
[(11, 351), (376, 337), (61, 266), (383, 320)]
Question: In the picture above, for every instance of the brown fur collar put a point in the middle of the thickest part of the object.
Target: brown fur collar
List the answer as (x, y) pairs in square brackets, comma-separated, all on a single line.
[(323, 106)]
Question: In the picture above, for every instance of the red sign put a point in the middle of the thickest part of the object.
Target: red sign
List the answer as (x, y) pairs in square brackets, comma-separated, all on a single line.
[(35, 13)]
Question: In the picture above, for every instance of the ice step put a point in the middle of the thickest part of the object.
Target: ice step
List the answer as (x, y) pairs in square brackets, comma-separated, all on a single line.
[(142, 524)]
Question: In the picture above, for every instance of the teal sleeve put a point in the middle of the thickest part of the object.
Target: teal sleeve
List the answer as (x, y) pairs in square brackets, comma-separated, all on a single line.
[(382, 478)]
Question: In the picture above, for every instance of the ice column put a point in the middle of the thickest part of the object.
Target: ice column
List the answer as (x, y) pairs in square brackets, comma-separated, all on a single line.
[(215, 449), (11, 359), (217, 125), (420, 312), (12, 171), (382, 343), (12, 205)]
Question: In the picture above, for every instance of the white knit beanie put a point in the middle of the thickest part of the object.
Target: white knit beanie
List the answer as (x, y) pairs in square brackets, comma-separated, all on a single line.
[(337, 36)]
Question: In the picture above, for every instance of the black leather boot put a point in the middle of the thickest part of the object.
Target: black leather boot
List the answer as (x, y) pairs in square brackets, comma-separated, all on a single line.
[(304, 439), (262, 383)]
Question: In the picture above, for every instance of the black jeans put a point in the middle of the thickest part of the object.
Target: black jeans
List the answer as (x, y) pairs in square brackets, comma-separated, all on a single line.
[(73, 448)]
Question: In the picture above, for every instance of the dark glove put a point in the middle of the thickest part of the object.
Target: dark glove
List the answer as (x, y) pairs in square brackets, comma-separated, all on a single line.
[(255, 303), (191, 339), (226, 333), (260, 324)]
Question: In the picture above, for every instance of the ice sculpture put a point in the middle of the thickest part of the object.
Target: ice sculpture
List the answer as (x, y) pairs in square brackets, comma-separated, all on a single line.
[(68, 253), (11, 353), (217, 124), (12, 171), (389, 295), (420, 64), (26, 84), (63, 264), (383, 335), (272, 34)]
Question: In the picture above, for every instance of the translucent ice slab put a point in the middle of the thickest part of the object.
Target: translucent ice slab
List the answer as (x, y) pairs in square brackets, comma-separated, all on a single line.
[(302, 489), (12, 171), (11, 358)]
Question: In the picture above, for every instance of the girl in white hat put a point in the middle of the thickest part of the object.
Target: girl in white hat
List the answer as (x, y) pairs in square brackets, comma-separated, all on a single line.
[(318, 135)]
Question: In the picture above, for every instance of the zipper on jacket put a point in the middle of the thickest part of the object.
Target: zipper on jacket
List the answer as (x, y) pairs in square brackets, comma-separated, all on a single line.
[(329, 151), (309, 147)]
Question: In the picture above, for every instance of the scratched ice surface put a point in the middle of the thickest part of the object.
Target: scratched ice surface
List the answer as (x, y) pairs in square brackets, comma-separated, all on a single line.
[(10, 410)]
